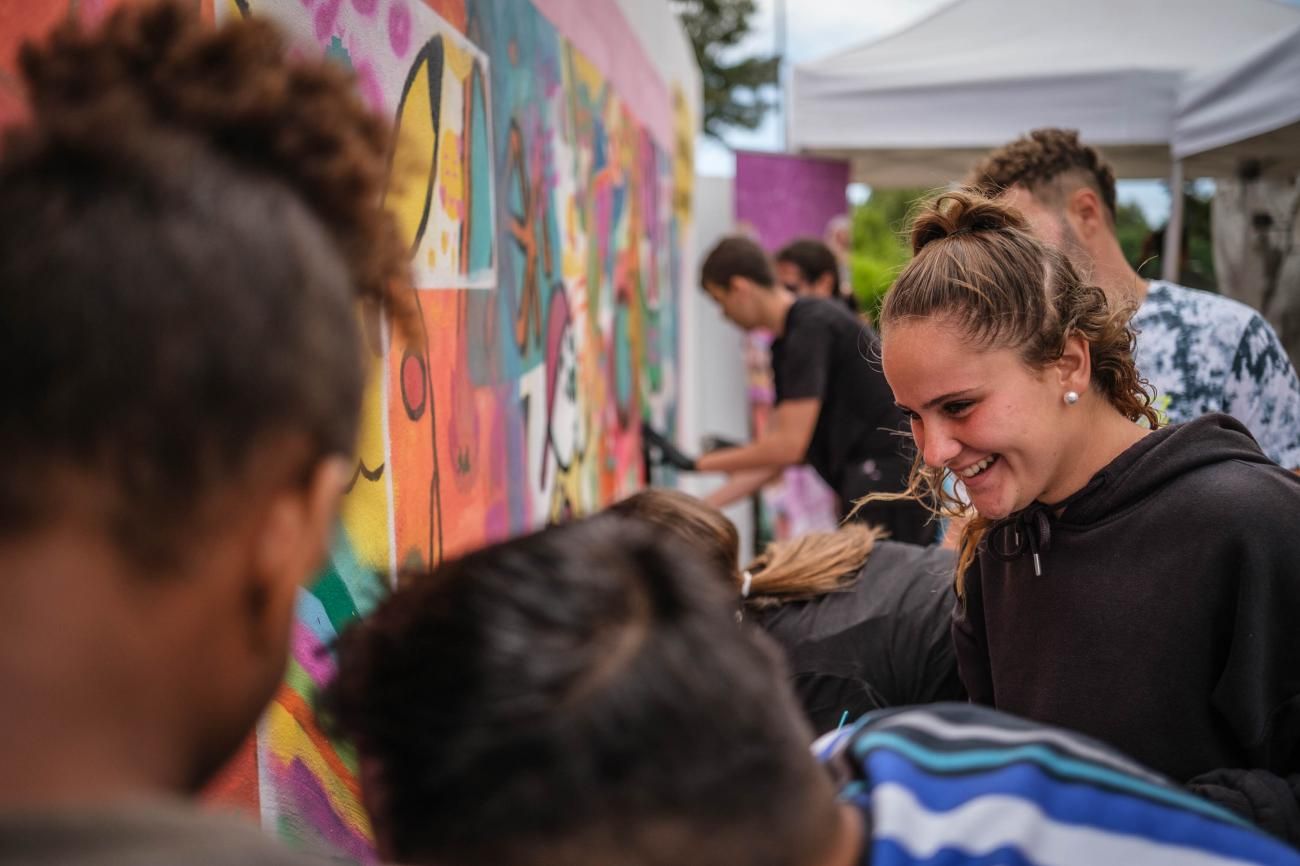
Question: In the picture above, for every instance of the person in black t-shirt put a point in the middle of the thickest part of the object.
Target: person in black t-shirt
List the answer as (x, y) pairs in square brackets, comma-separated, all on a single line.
[(834, 409)]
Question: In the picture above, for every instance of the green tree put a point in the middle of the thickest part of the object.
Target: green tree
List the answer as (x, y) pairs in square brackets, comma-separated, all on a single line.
[(736, 91), (1133, 232), (1196, 268), (879, 249)]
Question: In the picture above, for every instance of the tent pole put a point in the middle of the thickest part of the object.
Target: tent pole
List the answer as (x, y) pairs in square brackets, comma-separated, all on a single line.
[(783, 76), (1172, 254)]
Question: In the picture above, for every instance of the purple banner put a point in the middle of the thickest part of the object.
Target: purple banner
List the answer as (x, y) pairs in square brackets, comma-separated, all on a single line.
[(780, 197)]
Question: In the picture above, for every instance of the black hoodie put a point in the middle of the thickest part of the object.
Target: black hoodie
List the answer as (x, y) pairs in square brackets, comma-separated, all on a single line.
[(1166, 617)]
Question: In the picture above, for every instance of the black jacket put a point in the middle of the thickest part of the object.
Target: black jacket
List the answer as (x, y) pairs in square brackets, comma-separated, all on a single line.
[(1166, 618), (881, 642)]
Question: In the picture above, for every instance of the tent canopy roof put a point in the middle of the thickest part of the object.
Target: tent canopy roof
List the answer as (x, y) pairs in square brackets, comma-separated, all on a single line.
[(918, 107), (1247, 110)]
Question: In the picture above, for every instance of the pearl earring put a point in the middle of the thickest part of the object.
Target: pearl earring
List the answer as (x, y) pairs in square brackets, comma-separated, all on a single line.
[(1071, 397)]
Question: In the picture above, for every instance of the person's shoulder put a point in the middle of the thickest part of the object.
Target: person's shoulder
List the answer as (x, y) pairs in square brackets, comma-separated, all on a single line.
[(1196, 307), (928, 565), (933, 776), (824, 310), (1240, 490)]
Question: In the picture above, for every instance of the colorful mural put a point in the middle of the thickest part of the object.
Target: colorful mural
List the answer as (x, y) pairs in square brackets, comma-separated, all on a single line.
[(544, 216)]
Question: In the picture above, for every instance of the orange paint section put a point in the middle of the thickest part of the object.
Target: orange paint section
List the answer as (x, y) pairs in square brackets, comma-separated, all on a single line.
[(430, 386), (235, 788), (293, 703), (452, 11)]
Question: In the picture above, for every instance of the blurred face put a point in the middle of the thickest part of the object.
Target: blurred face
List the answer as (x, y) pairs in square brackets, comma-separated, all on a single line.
[(994, 422), (737, 303), (789, 275)]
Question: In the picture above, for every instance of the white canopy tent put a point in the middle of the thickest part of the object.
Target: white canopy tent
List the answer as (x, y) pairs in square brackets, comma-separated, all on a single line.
[(1248, 110), (919, 107)]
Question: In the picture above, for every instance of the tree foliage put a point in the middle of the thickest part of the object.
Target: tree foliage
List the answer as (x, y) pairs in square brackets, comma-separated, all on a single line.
[(879, 244), (736, 91)]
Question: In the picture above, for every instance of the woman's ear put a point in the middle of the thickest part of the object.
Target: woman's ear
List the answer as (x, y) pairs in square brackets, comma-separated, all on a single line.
[(1074, 367)]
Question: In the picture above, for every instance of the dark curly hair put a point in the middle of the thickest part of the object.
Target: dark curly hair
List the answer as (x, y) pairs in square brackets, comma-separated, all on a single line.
[(186, 225), (581, 695), (976, 264), (1039, 162)]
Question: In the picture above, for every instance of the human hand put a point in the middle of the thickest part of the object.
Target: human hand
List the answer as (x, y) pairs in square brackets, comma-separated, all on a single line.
[(667, 451)]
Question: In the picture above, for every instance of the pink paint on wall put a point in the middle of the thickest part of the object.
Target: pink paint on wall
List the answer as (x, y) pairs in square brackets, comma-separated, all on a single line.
[(600, 32), (782, 197)]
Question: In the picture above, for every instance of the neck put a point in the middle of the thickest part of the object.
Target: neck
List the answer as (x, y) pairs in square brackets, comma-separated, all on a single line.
[(1102, 436), (84, 722), (1116, 277), (775, 307)]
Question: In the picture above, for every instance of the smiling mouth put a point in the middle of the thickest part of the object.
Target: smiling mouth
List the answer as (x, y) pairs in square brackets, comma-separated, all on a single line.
[(978, 468)]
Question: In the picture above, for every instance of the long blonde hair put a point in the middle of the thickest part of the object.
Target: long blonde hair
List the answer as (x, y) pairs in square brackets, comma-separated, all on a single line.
[(809, 566)]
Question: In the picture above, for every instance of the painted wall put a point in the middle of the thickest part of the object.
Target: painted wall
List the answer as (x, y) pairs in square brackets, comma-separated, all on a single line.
[(538, 178), (543, 179)]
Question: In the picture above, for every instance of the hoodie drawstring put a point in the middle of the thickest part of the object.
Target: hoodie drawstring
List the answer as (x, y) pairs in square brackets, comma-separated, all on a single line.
[(1030, 530)]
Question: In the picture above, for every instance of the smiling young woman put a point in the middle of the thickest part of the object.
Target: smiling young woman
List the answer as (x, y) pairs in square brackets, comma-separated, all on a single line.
[(1135, 584)]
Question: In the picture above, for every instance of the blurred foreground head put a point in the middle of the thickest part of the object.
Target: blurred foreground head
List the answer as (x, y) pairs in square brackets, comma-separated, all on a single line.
[(187, 224), (578, 696)]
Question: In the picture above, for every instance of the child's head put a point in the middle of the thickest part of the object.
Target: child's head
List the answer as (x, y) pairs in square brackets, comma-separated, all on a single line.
[(693, 520), (581, 695), (186, 226), (1002, 357)]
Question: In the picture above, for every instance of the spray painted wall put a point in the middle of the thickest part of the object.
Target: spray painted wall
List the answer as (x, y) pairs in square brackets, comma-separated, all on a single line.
[(538, 179), (542, 178)]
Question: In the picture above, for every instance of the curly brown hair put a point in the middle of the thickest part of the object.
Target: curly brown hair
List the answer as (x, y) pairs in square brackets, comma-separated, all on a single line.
[(236, 89), (1040, 162), (976, 264), (187, 223)]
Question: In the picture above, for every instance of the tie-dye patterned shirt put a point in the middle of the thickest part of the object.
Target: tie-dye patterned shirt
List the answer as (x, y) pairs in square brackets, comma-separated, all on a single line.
[(961, 785), (1206, 353)]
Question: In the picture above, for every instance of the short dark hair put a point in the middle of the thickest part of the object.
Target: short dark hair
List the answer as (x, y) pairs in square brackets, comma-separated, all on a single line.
[(580, 695), (179, 267), (736, 256), (1037, 162)]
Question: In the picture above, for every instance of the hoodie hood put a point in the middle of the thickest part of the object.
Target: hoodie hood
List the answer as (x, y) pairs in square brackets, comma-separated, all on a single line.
[(1126, 481), (1157, 459)]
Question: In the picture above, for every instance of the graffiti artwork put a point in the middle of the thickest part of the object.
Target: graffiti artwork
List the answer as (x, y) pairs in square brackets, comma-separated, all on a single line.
[(544, 221)]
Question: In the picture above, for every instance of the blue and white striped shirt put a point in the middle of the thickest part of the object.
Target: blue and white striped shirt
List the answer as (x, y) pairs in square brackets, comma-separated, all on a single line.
[(962, 785)]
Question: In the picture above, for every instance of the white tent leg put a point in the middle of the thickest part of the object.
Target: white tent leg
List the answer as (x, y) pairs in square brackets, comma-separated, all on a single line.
[(1172, 254)]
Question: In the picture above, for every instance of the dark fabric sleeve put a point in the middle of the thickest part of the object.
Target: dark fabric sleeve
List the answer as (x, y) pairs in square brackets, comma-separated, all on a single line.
[(805, 362), (1258, 691), (1269, 801), (970, 641)]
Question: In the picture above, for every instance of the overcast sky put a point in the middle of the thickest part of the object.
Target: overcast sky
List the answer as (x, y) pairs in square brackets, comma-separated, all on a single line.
[(816, 28)]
